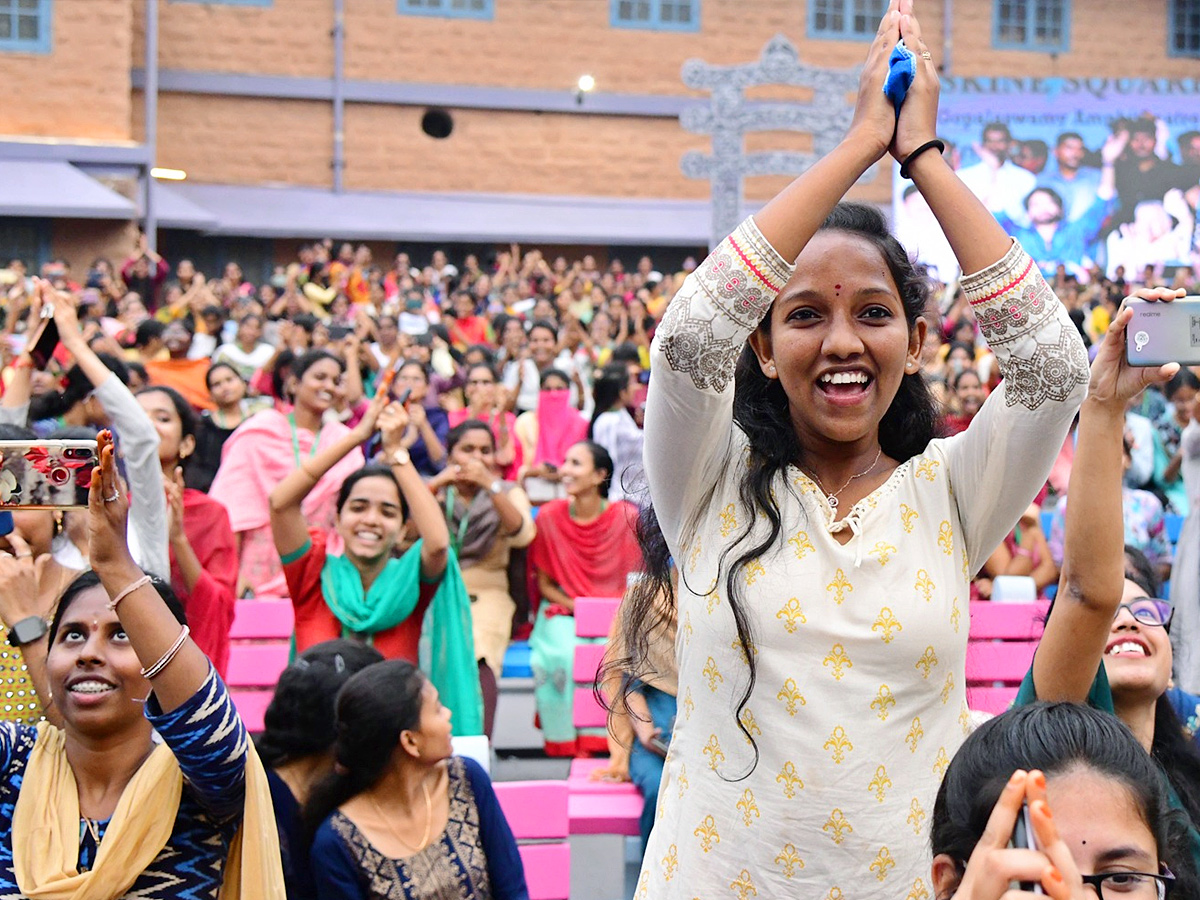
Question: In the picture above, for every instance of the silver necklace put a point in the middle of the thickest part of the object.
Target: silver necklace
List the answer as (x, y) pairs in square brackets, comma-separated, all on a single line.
[(832, 499)]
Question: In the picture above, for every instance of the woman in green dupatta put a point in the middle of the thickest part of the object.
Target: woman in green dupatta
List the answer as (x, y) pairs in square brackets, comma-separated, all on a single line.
[(1106, 640), (349, 584)]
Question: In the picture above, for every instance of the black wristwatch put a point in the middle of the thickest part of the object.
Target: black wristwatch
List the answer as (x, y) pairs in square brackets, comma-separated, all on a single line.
[(28, 630)]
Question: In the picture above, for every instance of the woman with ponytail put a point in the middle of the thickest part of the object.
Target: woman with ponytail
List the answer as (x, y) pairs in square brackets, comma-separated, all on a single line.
[(401, 817), (825, 540), (614, 428)]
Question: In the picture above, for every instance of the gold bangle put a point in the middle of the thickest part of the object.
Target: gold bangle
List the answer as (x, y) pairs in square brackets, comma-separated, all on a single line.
[(166, 658), (121, 595)]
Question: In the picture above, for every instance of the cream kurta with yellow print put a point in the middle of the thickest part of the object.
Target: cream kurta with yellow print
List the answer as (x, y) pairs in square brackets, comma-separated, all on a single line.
[(859, 701)]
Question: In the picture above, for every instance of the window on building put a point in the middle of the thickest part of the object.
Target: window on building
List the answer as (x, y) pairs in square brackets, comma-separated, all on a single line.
[(1032, 24), (656, 15), (228, 2), (1184, 25), (25, 26), (454, 9), (25, 239), (851, 20)]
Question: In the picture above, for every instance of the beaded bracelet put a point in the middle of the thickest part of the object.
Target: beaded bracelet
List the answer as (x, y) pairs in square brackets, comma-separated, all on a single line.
[(140, 582), (166, 658)]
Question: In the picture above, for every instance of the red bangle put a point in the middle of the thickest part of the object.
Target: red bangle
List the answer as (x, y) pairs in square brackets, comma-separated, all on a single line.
[(22, 362)]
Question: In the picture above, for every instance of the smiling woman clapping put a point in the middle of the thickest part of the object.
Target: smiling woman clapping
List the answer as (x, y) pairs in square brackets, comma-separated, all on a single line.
[(825, 540)]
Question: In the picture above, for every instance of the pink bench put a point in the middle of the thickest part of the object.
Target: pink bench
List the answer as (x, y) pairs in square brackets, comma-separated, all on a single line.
[(597, 807), (1003, 639), (537, 812), (259, 648)]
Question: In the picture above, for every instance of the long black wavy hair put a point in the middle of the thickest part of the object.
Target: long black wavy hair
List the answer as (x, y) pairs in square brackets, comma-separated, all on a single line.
[(1056, 738), (760, 409)]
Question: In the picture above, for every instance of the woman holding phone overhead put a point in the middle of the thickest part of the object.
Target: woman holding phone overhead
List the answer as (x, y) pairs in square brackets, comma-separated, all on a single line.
[(150, 788), (825, 539)]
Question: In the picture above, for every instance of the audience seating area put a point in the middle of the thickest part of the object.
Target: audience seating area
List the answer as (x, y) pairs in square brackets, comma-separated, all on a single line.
[(537, 813)]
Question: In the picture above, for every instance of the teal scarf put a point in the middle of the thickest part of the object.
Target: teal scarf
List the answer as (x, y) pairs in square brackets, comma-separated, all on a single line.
[(447, 649)]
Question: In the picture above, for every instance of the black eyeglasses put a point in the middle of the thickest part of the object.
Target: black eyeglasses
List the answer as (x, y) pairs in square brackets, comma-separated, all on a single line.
[(1132, 885), (1148, 611)]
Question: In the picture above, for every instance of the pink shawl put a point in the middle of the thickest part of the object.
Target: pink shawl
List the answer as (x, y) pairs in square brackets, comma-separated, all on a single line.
[(259, 454), (560, 427)]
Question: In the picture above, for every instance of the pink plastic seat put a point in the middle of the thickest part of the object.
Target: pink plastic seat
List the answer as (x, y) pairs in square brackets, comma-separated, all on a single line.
[(537, 810), (579, 780), (256, 665), (258, 620), (594, 616)]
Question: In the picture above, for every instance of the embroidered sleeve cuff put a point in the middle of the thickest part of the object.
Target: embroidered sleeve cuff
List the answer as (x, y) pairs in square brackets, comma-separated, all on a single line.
[(1010, 299), (720, 304)]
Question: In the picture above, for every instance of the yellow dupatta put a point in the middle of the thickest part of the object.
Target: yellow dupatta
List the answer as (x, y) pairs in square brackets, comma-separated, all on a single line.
[(45, 829)]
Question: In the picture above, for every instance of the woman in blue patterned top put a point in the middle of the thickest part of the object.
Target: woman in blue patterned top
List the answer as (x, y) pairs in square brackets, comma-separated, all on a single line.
[(98, 808), (400, 818)]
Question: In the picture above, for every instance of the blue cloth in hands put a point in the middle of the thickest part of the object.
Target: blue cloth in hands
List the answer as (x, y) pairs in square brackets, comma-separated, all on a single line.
[(902, 68)]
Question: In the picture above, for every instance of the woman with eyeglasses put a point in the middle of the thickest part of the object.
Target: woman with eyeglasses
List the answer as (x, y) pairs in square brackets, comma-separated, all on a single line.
[(1106, 639), (1112, 834)]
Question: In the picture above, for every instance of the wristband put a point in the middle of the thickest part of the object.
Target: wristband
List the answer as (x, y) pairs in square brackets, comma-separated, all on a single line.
[(904, 166)]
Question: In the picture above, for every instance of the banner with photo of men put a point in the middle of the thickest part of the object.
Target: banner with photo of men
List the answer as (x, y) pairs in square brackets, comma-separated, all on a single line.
[(1100, 175)]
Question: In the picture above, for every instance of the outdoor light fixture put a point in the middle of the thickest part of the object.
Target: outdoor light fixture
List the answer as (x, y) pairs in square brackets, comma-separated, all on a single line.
[(585, 85), (168, 174)]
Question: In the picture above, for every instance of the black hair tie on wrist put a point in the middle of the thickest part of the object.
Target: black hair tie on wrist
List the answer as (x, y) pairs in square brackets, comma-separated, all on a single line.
[(904, 170)]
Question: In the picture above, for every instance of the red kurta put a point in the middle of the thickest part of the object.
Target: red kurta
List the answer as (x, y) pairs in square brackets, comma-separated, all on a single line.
[(210, 604), (315, 621), (592, 560)]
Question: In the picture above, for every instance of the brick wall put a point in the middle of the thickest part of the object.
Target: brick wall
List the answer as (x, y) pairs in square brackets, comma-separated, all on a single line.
[(79, 241), (81, 88)]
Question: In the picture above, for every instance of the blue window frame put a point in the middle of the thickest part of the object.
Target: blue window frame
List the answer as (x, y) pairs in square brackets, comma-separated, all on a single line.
[(1032, 25), (1183, 28), (844, 20), (228, 2), (656, 15), (25, 26), (451, 9)]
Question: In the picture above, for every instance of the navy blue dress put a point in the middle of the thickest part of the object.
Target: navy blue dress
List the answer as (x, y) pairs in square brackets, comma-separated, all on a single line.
[(292, 849), (210, 744), (474, 859)]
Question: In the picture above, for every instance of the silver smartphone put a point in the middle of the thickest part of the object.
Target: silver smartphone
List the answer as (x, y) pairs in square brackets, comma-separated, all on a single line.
[(1024, 837), (1161, 333), (46, 474)]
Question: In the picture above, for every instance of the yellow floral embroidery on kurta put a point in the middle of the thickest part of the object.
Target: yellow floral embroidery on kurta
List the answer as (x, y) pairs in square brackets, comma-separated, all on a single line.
[(791, 614), (918, 892), (754, 571), (883, 702), (945, 537), (707, 832), (947, 687), (713, 674), (687, 627), (695, 556), (728, 521), (916, 815), (711, 599), (839, 745), (689, 705), (955, 614), (964, 719), (927, 661), (789, 860), (883, 550), (915, 733), (747, 720), (683, 780), (838, 661), (789, 779), (942, 763), (743, 886), (837, 827), (880, 783), (713, 751), (883, 862), (790, 694), (643, 890), (927, 469), (924, 585), (736, 644), (670, 862), (801, 544), (908, 515), (887, 624), (840, 586), (748, 807)]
